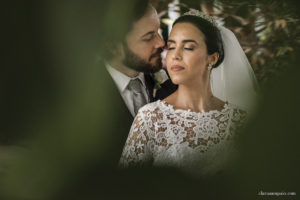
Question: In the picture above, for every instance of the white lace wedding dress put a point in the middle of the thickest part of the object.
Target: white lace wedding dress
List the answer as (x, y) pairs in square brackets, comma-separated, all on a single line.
[(199, 142)]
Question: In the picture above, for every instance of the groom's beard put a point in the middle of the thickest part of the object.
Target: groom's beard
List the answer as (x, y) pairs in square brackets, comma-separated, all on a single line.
[(136, 63)]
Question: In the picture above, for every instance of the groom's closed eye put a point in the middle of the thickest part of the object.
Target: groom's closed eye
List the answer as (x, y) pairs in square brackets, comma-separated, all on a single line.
[(148, 36)]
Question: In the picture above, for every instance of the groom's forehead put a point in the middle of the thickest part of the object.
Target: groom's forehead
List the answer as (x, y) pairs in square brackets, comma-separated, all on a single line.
[(148, 23)]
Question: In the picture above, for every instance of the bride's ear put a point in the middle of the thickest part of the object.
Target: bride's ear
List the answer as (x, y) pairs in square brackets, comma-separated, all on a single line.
[(213, 58)]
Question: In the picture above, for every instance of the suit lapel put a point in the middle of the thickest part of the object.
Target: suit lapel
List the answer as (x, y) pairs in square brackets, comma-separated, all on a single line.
[(150, 86), (166, 89)]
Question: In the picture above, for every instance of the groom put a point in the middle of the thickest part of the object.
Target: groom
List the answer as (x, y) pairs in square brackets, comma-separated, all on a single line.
[(129, 68), (135, 60)]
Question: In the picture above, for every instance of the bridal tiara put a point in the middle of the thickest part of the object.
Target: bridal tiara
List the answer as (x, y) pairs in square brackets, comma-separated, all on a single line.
[(202, 15)]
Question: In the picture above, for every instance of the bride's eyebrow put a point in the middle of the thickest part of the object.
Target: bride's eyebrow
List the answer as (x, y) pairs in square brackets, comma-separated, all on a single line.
[(183, 41), (186, 41)]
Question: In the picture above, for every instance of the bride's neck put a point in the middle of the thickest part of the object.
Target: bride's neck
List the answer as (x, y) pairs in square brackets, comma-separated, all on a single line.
[(196, 98)]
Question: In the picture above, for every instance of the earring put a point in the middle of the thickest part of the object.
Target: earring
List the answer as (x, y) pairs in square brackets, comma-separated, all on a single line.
[(209, 67)]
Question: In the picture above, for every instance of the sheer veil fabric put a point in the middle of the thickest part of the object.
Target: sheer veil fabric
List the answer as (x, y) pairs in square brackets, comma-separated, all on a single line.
[(234, 80)]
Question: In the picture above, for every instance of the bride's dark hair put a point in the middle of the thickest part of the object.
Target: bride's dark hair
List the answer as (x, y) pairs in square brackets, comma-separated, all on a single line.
[(212, 35)]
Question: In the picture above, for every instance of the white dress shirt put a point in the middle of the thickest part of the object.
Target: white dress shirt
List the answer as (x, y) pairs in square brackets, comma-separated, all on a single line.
[(122, 82)]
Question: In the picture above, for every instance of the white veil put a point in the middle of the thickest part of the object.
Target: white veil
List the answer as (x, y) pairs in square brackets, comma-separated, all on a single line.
[(234, 80)]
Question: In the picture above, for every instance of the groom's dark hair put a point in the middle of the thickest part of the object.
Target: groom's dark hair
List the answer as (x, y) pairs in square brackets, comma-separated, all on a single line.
[(119, 21)]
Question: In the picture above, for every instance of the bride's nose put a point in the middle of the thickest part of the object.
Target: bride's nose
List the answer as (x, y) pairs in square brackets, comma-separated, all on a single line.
[(177, 54)]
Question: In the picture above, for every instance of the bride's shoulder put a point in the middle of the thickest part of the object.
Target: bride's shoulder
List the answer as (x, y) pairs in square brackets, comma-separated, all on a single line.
[(234, 107), (238, 113), (149, 108)]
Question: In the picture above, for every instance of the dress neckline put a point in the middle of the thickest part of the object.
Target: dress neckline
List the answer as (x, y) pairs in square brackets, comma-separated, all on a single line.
[(176, 110)]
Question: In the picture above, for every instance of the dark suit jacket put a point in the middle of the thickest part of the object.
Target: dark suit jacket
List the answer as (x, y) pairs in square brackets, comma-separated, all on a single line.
[(166, 89)]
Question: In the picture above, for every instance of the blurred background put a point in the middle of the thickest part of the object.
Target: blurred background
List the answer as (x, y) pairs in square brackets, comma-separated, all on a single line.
[(267, 30), (57, 132)]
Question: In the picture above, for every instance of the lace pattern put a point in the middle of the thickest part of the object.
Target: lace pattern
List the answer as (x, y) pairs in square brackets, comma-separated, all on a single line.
[(162, 135)]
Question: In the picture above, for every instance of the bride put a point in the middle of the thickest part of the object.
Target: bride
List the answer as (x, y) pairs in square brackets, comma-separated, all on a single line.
[(193, 127)]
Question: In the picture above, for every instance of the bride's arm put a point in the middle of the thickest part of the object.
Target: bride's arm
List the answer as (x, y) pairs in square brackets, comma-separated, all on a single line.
[(136, 151)]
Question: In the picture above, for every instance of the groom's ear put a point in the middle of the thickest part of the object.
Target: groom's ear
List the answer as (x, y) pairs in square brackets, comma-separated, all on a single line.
[(113, 50), (119, 50)]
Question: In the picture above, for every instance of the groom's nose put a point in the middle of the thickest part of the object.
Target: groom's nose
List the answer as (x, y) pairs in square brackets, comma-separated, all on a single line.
[(160, 43)]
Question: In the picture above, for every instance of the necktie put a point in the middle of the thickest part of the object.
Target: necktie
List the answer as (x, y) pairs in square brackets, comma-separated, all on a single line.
[(139, 99)]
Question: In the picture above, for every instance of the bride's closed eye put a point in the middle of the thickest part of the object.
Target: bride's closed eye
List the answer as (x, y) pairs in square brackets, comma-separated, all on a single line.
[(171, 46), (189, 48)]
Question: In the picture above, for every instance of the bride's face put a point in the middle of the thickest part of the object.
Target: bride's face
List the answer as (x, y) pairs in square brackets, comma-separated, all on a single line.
[(187, 57)]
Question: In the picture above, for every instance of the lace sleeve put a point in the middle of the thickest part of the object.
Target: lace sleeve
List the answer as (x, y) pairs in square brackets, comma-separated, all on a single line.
[(136, 150), (238, 120), (239, 116)]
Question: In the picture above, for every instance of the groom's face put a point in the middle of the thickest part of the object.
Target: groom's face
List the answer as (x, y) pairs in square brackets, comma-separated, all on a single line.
[(143, 45)]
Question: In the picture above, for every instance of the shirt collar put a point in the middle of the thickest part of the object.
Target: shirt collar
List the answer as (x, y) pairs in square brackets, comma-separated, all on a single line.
[(121, 79)]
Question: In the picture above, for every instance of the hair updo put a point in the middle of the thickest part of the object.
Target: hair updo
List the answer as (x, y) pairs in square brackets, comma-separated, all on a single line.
[(211, 33)]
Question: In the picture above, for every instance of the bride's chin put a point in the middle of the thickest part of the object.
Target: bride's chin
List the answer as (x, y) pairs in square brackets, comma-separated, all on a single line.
[(176, 80)]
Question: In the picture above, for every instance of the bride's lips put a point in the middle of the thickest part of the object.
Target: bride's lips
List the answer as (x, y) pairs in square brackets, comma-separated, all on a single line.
[(176, 68)]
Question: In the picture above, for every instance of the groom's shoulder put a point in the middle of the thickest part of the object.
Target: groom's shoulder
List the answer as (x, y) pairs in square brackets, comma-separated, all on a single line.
[(166, 87)]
